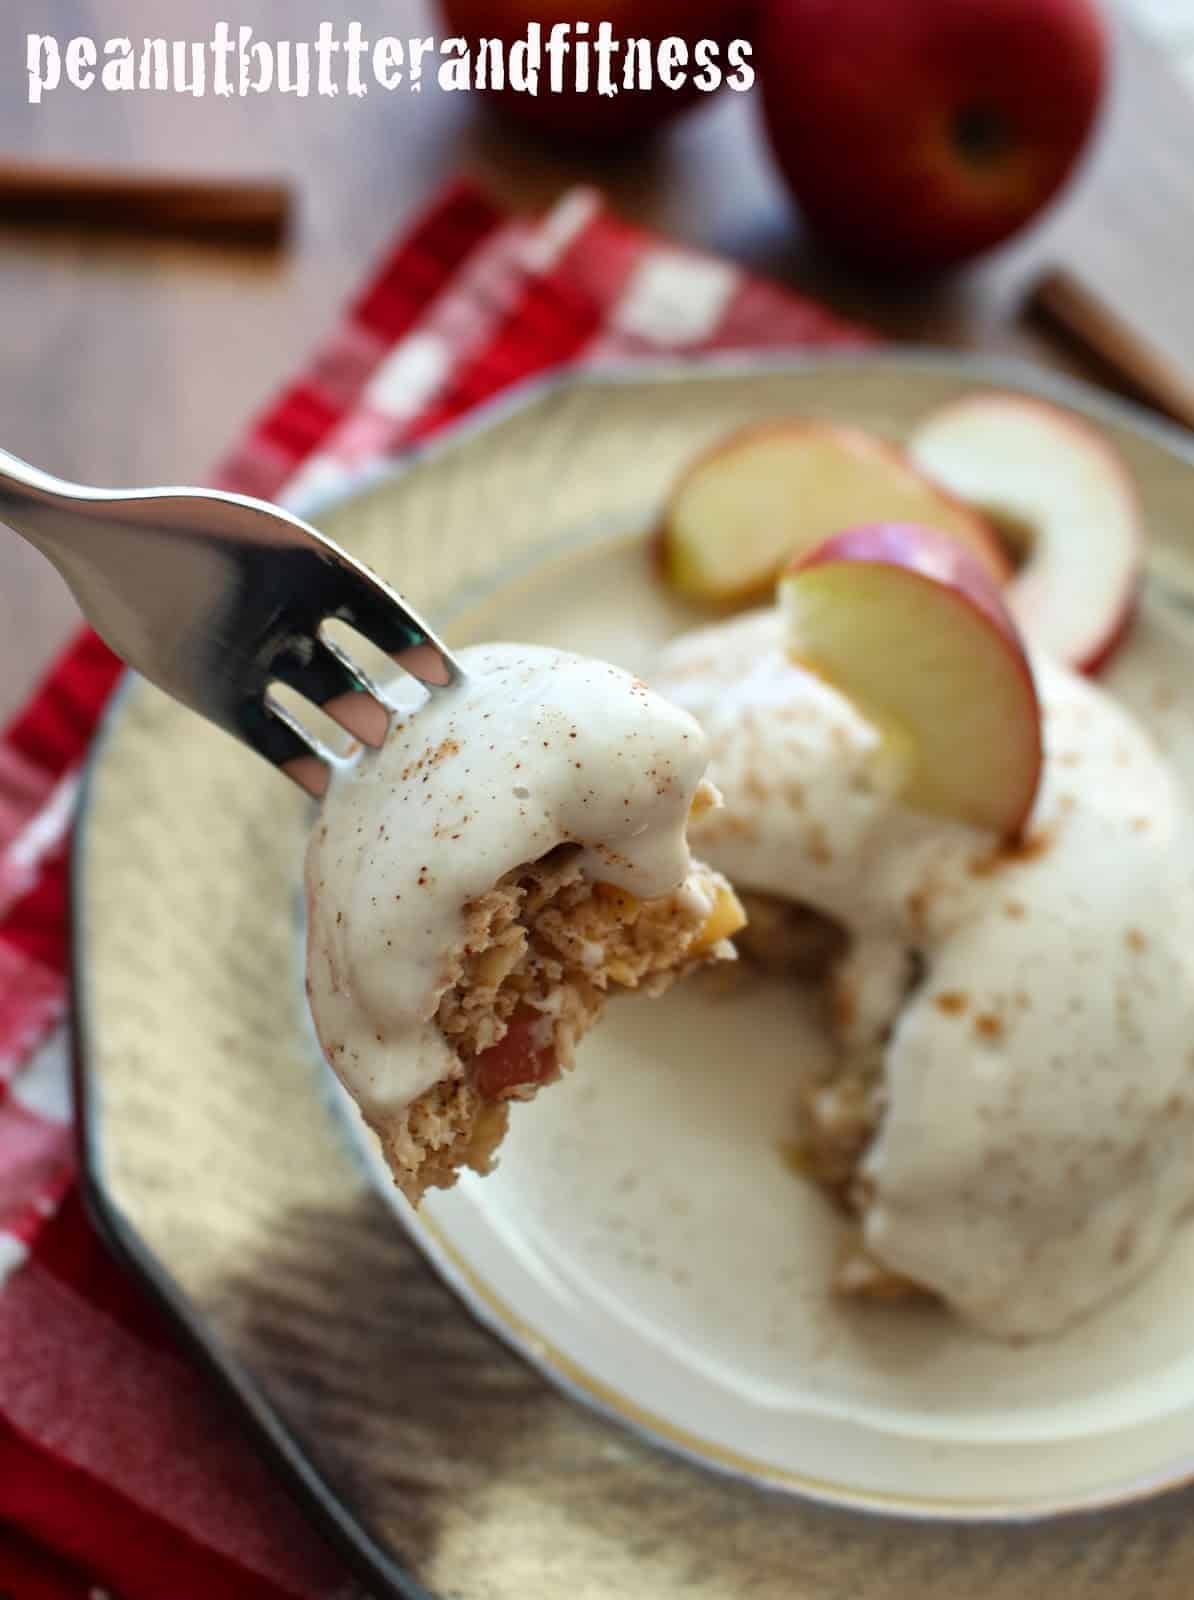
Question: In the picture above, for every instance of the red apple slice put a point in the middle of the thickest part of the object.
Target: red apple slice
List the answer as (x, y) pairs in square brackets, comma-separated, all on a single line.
[(770, 492), (912, 629), (1058, 486)]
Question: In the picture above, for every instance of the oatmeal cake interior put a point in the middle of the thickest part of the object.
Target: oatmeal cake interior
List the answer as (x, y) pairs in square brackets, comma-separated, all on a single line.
[(541, 953), (838, 1112)]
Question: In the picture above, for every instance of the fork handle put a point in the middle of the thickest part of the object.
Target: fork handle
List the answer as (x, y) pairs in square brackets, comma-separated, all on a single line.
[(22, 478), (40, 507)]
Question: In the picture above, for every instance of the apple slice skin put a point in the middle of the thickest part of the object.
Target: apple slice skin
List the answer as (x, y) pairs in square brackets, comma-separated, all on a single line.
[(928, 552), (949, 579), (861, 451), (1091, 664), (1088, 649)]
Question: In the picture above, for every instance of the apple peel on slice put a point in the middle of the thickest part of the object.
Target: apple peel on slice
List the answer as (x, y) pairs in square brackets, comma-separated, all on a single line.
[(1060, 486), (773, 490), (913, 631)]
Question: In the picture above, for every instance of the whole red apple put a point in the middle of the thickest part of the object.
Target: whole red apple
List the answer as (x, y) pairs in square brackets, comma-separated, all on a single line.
[(917, 133), (586, 114)]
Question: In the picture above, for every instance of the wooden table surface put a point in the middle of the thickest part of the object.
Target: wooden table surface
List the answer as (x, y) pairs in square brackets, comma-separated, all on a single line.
[(133, 361)]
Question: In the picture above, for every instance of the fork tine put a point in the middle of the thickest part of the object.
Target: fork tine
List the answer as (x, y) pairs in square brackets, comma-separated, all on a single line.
[(429, 664), (321, 672), (317, 670), (270, 730), (383, 617)]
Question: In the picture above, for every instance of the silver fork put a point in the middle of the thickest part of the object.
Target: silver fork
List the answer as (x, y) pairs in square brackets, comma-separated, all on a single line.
[(214, 597)]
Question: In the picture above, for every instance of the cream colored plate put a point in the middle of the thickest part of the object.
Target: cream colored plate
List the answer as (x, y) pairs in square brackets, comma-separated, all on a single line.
[(645, 1241), (665, 1266)]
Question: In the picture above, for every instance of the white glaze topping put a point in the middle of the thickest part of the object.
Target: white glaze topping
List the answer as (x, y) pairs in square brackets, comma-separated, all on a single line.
[(1038, 1148), (535, 749)]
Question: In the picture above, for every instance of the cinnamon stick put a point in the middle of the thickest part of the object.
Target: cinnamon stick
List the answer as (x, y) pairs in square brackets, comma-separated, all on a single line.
[(232, 210), (1070, 305)]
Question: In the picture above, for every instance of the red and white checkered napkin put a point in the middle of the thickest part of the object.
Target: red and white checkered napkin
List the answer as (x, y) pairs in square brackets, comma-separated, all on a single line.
[(117, 1474)]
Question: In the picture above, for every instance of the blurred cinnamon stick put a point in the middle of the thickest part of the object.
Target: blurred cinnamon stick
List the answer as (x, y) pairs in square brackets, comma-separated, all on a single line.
[(229, 210), (1063, 300)]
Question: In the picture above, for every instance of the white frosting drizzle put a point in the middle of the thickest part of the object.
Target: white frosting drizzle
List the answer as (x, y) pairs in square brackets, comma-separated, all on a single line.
[(1038, 1149), (535, 749)]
